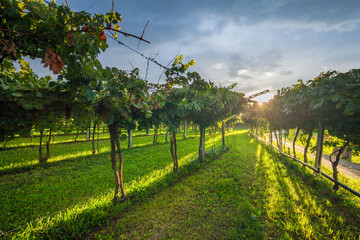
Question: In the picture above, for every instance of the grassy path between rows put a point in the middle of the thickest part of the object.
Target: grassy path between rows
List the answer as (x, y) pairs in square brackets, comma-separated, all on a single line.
[(84, 184), (249, 192)]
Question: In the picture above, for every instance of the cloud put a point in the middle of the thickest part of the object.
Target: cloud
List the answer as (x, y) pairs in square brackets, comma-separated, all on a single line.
[(286, 73), (269, 74), (242, 72), (245, 88), (219, 65)]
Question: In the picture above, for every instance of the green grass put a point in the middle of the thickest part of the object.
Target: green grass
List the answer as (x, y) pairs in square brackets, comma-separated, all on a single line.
[(78, 176), (351, 182), (21, 142), (217, 202), (248, 192), (25, 158), (302, 205)]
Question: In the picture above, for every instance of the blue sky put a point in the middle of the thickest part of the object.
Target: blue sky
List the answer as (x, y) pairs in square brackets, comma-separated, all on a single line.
[(258, 44)]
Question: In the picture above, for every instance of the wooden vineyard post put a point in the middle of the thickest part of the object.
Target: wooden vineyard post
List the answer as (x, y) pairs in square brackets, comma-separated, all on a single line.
[(319, 146)]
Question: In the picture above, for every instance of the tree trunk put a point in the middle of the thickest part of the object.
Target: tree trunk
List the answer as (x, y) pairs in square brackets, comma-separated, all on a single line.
[(50, 132), (185, 127), (294, 141), (31, 137), (41, 159), (117, 141), (307, 146), (47, 154), (202, 143), (167, 135), (276, 138), (77, 134), (195, 130), (113, 129), (319, 146), (130, 138), (173, 149), (347, 154), (223, 133), (88, 134), (93, 139), (270, 136), (147, 131), (155, 136), (280, 140), (97, 142), (335, 164), (283, 141)]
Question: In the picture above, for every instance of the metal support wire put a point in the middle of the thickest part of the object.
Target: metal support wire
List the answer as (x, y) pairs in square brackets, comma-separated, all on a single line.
[(312, 168), (134, 50)]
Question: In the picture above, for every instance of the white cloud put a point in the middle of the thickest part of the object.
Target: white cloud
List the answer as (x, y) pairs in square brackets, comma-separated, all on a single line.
[(242, 71), (269, 74), (219, 65)]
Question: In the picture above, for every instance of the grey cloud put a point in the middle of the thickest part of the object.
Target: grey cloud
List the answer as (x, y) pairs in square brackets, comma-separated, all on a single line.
[(245, 88), (245, 77), (286, 73), (265, 62)]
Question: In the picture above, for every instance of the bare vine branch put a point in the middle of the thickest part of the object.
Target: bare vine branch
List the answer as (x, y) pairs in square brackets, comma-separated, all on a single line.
[(142, 35), (26, 2)]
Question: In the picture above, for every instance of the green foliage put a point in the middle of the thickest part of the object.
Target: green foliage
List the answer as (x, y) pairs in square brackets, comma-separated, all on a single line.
[(332, 98), (122, 97), (205, 103), (55, 34), (23, 97)]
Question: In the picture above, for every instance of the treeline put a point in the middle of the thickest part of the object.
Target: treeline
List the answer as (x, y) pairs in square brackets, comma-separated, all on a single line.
[(328, 104)]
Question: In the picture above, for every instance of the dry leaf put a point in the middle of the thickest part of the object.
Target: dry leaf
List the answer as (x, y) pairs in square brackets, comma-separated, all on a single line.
[(70, 39), (9, 48), (53, 60)]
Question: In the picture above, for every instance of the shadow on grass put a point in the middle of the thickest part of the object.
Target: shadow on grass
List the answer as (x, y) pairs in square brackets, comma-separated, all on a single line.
[(29, 167), (72, 224), (32, 146), (301, 192)]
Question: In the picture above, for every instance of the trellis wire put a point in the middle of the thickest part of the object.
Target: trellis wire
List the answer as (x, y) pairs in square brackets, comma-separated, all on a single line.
[(134, 50)]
